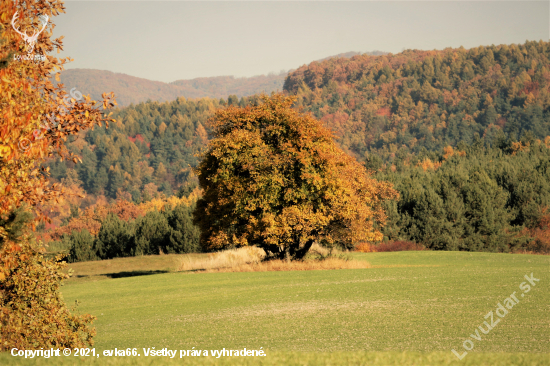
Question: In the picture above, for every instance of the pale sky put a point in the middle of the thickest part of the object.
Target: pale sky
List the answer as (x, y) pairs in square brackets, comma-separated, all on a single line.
[(173, 40)]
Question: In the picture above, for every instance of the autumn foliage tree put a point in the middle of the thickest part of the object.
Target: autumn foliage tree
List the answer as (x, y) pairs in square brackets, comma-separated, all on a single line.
[(275, 178), (36, 120)]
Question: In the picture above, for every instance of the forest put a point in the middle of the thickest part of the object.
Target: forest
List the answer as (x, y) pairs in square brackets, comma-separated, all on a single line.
[(462, 134), (428, 99)]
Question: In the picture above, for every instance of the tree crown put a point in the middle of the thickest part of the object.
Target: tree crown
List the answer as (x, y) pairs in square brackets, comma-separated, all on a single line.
[(274, 177)]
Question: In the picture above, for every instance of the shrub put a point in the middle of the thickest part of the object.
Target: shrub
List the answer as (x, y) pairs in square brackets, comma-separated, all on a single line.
[(184, 236), (166, 231), (365, 248), (114, 238), (82, 246), (398, 246), (152, 234), (540, 235), (32, 312), (538, 246)]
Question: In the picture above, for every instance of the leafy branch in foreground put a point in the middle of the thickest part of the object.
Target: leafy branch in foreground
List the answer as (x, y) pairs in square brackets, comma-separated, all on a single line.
[(32, 312)]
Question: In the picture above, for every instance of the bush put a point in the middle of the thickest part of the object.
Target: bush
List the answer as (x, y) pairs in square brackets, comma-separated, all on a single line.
[(82, 246), (32, 313), (184, 236), (152, 234), (538, 246), (398, 246), (168, 231), (539, 235), (365, 248), (114, 238)]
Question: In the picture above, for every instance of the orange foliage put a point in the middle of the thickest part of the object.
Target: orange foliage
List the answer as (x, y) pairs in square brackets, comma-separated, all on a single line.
[(449, 151), (93, 216), (32, 312), (159, 203), (385, 111), (274, 176), (365, 248), (75, 196), (126, 210), (405, 88), (27, 96), (427, 164), (540, 234), (518, 146), (35, 316)]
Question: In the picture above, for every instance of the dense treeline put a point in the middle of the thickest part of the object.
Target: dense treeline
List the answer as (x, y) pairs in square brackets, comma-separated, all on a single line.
[(402, 103), (474, 197), (478, 198), (169, 230)]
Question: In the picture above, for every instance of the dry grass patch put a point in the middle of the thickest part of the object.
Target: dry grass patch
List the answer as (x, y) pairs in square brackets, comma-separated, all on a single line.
[(251, 259), (306, 265), (226, 259)]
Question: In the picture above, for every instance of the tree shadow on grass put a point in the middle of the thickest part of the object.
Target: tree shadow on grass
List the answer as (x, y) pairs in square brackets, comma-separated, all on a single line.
[(128, 274)]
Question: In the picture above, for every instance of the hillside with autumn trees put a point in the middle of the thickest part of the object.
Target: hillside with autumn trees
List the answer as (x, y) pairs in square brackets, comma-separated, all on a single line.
[(399, 104), (407, 117)]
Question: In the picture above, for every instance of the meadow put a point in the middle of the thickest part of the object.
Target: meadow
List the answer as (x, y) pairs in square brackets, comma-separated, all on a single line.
[(408, 308)]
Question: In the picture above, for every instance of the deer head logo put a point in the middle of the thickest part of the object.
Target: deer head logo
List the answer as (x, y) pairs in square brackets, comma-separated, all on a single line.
[(31, 41)]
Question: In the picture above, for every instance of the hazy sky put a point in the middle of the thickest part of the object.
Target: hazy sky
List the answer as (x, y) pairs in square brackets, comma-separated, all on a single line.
[(172, 40)]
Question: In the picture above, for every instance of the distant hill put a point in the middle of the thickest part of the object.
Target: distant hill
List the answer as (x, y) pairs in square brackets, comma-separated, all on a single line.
[(352, 53), (130, 89), (223, 86)]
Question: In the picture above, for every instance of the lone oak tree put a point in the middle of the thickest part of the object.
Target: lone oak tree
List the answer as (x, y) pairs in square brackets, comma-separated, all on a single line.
[(275, 178), (32, 312)]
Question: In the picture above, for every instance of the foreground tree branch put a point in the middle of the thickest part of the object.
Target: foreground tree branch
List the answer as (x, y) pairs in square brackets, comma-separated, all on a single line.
[(36, 119)]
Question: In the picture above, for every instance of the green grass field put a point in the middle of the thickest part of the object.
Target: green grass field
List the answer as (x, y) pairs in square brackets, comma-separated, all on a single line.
[(411, 308)]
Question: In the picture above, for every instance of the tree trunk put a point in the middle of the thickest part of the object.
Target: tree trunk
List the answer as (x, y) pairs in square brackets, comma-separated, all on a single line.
[(300, 253), (273, 251)]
